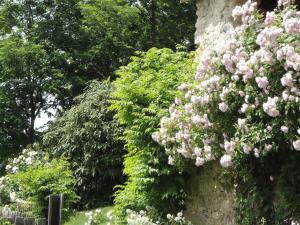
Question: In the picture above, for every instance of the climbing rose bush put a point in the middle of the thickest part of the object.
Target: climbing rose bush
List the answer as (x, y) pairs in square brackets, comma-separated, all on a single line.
[(245, 96)]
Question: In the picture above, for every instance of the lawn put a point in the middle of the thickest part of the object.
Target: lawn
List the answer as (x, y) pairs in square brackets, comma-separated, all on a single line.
[(79, 218)]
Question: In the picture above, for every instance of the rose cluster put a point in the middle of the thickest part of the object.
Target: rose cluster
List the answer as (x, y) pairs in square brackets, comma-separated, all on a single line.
[(245, 96)]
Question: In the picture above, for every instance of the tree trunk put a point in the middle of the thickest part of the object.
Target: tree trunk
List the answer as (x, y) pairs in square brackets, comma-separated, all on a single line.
[(153, 23), (31, 131)]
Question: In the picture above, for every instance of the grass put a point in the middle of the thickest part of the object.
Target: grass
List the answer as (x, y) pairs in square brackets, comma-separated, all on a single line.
[(79, 218)]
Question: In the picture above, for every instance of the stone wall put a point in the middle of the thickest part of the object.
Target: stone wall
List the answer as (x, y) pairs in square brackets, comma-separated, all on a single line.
[(214, 19), (208, 203)]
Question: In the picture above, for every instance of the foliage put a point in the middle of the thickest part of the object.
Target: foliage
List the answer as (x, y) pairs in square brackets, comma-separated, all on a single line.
[(39, 22), (47, 56), (88, 136), (28, 158), (5, 222), (144, 89), (37, 182), (91, 39), (288, 188), (81, 218), (110, 29), (29, 84), (160, 18), (136, 218), (243, 108), (269, 192), (97, 217), (31, 177), (26, 84), (50, 49), (87, 40), (254, 181)]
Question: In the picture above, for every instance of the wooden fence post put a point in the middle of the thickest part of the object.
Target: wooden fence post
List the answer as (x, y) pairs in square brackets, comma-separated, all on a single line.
[(19, 221), (55, 209)]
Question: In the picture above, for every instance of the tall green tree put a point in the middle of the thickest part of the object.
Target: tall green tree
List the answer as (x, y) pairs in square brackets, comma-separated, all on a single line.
[(89, 136), (29, 85), (88, 39), (96, 37), (167, 23), (26, 85), (60, 32)]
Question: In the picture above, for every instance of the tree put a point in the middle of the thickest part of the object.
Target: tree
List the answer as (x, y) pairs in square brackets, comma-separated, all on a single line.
[(111, 30), (142, 94), (26, 84), (59, 31), (87, 39), (96, 37), (89, 136), (167, 23), (61, 45)]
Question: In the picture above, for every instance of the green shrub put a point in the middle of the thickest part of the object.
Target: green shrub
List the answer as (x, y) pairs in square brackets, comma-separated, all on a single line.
[(142, 95), (5, 222), (37, 182), (89, 136), (29, 157)]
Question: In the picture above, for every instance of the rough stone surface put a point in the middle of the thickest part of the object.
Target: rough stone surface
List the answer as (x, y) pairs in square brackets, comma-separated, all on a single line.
[(214, 18), (208, 202)]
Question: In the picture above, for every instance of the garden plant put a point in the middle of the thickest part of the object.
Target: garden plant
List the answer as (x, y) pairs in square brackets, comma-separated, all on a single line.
[(242, 108)]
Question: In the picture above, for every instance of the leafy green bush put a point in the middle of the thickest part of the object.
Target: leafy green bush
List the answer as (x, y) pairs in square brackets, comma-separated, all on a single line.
[(288, 187), (89, 136), (142, 95), (28, 158), (5, 222), (32, 177), (35, 183)]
